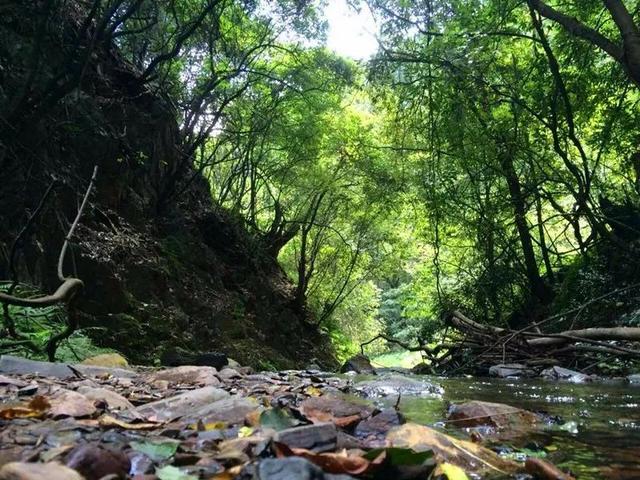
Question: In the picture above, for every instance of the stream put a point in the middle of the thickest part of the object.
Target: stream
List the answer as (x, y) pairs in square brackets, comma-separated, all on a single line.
[(596, 432)]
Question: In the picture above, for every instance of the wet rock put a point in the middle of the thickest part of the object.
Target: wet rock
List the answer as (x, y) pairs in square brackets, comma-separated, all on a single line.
[(394, 385), (319, 437), (96, 461), (187, 375), (38, 471), (379, 424), (358, 364), (292, 468), (498, 415), (566, 375), (634, 379), (112, 399), (179, 405), (22, 366), (180, 357), (66, 403), (505, 370), (106, 360)]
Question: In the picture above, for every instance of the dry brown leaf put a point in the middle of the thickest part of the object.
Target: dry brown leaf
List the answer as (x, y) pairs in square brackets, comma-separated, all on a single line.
[(332, 462), (109, 421), (36, 408)]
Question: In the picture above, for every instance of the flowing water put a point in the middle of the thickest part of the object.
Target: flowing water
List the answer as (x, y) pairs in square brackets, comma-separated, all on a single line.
[(594, 429)]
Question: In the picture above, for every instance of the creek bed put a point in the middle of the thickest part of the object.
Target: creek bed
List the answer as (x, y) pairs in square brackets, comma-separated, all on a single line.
[(599, 437)]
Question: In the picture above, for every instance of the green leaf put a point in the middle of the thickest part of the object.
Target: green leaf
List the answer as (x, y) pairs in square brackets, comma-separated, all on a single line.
[(397, 456), (451, 472), (156, 450), (173, 473)]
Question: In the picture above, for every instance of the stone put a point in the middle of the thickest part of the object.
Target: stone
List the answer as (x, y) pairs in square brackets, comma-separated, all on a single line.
[(379, 424), (187, 375), (97, 461), (21, 366), (422, 369), (319, 437), (67, 403), (228, 374), (112, 399), (394, 385), (231, 410), (4, 380), (498, 415), (566, 375), (106, 360), (634, 379), (179, 405), (359, 364), (231, 363), (38, 471), (339, 409), (505, 370), (292, 468)]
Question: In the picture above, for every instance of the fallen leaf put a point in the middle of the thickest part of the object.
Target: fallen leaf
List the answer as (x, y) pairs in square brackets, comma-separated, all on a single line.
[(465, 454), (38, 471), (156, 450), (66, 403), (173, 473), (97, 461), (109, 421), (447, 471), (36, 408), (401, 456), (544, 470), (332, 462)]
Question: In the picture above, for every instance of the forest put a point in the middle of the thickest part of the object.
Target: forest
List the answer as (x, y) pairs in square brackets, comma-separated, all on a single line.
[(248, 186)]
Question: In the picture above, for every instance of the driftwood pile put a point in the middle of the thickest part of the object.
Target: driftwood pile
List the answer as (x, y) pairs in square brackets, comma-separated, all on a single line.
[(471, 347)]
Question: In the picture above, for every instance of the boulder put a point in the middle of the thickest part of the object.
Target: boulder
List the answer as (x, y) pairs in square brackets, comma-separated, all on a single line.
[(359, 364), (505, 370), (21, 366), (498, 415), (566, 375)]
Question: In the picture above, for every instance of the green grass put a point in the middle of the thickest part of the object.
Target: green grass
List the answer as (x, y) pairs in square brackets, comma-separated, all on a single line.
[(397, 359)]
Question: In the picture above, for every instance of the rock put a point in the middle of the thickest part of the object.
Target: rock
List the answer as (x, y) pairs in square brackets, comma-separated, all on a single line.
[(66, 403), (379, 424), (38, 471), (498, 415), (358, 364), (95, 461), (231, 363), (292, 468), (337, 409), (228, 374), (22, 366), (179, 405), (113, 400), (319, 437), (566, 375), (187, 375), (177, 357), (12, 381), (422, 369), (505, 370), (394, 385), (634, 379), (232, 410), (106, 360)]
